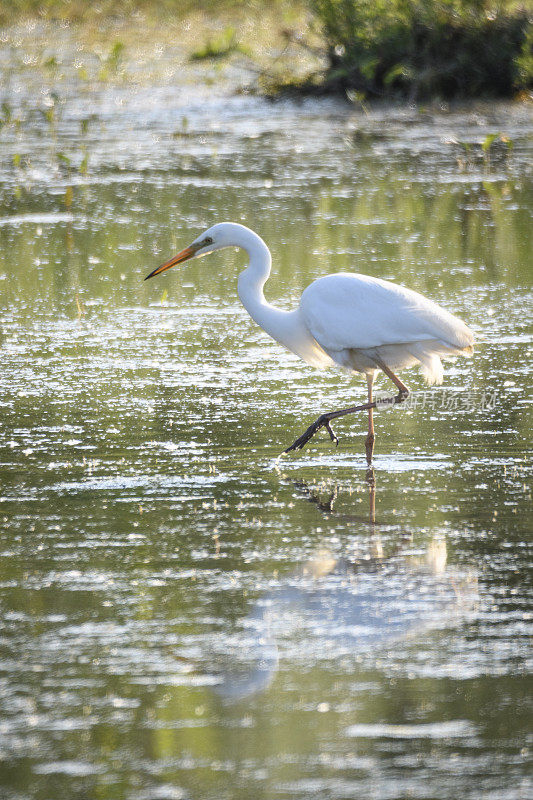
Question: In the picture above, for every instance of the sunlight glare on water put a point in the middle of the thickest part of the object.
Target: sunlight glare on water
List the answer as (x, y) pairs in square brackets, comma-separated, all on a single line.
[(183, 615)]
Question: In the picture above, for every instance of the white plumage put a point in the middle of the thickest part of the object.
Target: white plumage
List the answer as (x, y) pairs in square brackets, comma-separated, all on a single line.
[(355, 317), (349, 320)]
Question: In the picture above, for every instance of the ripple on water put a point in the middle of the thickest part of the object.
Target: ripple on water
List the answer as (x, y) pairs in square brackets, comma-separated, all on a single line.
[(452, 729)]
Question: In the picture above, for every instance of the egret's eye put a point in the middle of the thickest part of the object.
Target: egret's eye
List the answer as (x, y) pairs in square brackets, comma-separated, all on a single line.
[(208, 240)]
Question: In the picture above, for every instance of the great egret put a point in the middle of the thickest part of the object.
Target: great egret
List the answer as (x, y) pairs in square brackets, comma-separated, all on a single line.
[(346, 320)]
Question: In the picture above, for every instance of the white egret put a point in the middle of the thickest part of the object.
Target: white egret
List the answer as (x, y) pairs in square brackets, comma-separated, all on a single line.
[(347, 320)]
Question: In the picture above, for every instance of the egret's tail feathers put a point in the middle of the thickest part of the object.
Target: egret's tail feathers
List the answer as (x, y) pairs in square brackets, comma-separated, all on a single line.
[(429, 354), (432, 370), (430, 363)]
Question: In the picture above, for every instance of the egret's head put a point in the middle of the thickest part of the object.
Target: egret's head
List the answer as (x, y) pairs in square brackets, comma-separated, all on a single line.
[(214, 238)]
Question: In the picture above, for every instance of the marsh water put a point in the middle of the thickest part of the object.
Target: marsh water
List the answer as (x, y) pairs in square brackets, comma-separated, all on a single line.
[(183, 614)]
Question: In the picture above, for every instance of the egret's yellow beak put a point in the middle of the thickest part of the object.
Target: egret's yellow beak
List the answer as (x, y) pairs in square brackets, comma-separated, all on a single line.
[(183, 255)]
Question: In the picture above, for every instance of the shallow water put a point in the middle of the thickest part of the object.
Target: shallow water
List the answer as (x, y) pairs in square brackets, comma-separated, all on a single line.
[(184, 616)]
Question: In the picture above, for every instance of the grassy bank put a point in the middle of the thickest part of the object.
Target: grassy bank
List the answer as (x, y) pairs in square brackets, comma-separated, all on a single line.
[(391, 49)]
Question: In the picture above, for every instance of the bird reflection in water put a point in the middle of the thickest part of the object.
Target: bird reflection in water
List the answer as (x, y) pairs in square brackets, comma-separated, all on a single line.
[(336, 606), (326, 506)]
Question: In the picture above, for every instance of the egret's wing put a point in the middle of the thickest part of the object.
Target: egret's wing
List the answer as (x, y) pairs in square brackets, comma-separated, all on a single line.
[(347, 310)]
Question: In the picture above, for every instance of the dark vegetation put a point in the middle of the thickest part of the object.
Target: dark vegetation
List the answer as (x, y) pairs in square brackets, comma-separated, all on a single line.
[(425, 48)]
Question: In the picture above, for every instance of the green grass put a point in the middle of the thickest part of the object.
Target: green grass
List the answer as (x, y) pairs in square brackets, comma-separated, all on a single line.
[(219, 46)]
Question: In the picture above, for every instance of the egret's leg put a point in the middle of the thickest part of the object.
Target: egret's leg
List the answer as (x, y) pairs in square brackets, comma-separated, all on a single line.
[(324, 421), (369, 442), (394, 378)]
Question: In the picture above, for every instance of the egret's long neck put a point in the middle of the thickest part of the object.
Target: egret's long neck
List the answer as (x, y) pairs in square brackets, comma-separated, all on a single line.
[(252, 280), (286, 327)]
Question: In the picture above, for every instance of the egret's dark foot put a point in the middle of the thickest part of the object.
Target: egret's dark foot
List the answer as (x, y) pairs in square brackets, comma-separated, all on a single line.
[(322, 422), (332, 435)]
